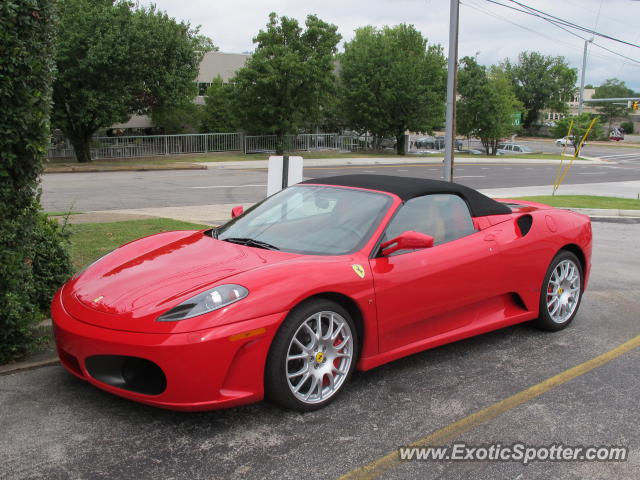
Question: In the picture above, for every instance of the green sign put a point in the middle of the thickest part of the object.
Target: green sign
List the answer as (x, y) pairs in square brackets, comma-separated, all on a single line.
[(516, 119)]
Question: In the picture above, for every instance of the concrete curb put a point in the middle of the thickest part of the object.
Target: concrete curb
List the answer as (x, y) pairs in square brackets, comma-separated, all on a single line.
[(606, 212), (123, 168), (28, 365)]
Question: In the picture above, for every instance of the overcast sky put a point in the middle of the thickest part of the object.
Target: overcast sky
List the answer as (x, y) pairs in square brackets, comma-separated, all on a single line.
[(490, 31)]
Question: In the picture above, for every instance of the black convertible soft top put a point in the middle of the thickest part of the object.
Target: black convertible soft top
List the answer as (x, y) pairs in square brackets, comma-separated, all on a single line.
[(407, 188)]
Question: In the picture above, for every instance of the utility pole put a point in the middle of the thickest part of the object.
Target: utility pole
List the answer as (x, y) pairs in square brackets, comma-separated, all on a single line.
[(584, 68), (450, 126)]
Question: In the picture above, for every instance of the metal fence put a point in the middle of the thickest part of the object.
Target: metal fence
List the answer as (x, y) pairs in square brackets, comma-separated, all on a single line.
[(157, 145), (302, 142)]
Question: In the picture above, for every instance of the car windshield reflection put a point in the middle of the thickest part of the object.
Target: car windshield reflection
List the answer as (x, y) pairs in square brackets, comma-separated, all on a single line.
[(310, 219)]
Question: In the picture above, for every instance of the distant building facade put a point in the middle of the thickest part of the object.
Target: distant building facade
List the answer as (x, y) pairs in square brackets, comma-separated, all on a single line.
[(213, 64)]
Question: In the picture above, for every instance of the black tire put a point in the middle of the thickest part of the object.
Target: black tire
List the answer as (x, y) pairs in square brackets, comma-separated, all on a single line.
[(277, 386), (545, 320)]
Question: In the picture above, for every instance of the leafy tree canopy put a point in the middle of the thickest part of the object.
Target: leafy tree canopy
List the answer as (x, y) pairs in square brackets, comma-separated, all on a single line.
[(218, 116), (115, 59), (541, 82), (487, 104), (285, 83), (612, 88), (392, 81)]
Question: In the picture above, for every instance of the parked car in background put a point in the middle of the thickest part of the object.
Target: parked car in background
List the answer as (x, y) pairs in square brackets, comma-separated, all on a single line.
[(566, 141), (434, 143), (512, 148)]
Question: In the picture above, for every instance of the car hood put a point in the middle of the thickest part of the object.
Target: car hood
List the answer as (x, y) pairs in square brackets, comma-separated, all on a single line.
[(151, 275)]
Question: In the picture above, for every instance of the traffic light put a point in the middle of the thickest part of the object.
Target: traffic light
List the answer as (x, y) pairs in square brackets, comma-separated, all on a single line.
[(634, 105)]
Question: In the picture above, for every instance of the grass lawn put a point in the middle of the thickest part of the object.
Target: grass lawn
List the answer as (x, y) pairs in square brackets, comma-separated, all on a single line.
[(60, 214), (586, 201), (90, 241)]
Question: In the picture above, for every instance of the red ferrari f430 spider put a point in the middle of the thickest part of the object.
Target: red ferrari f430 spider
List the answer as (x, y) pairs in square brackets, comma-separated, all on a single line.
[(288, 298)]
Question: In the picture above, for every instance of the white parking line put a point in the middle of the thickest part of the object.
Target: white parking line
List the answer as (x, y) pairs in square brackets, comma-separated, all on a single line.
[(470, 176), (403, 170), (232, 186), (592, 173), (484, 168), (369, 171)]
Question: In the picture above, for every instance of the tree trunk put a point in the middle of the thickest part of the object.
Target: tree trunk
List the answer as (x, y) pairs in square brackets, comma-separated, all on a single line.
[(81, 147), (279, 144), (400, 144)]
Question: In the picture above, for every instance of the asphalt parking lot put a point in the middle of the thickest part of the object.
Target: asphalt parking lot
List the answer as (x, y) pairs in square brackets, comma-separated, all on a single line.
[(55, 426)]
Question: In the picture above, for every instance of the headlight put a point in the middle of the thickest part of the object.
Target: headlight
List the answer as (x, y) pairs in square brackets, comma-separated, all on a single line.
[(205, 302)]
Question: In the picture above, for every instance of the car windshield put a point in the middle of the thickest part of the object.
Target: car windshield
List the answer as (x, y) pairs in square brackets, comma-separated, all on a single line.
[(309, 219)]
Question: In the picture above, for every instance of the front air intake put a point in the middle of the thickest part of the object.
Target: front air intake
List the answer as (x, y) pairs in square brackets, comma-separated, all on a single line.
[(129, 373)]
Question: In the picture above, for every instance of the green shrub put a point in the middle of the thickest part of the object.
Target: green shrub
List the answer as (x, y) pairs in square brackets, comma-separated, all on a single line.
[(51, 260), (33, 259), (627, 126)]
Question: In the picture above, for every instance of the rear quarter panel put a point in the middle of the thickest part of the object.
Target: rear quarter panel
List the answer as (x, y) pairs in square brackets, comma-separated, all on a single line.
[(527, 257)]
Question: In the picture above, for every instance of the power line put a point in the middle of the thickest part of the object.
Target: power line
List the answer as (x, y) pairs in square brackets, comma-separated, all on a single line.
[(572, 25), (554, 39), (562, 24)]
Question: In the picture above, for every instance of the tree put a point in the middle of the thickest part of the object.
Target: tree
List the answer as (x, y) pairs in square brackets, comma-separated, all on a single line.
[(206, 44), (217, 116), (185, 118), (287, 79), (541, 82), (33, 258), (487, 104), (392, 81), (578, 129), (612, 88), (114, 60)]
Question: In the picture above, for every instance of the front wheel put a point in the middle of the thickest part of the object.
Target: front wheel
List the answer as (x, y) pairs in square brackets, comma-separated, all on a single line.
[(312, 356), (561, 292)]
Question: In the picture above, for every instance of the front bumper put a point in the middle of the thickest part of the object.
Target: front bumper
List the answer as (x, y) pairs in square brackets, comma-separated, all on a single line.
[(204, 370)]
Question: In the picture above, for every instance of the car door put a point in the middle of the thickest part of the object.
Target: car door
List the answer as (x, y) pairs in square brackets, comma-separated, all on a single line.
[(427, 292)]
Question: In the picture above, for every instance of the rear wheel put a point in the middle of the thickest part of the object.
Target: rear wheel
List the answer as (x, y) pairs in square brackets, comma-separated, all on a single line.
[(312, 356), (561, 292)]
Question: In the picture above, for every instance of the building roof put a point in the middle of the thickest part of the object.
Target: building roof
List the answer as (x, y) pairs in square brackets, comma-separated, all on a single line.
[(407, 188), (224, 64)]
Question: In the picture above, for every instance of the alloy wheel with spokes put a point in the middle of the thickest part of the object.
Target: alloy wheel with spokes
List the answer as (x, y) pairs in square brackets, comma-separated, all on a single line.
[(319, 357), (312, 356), (561, 292)]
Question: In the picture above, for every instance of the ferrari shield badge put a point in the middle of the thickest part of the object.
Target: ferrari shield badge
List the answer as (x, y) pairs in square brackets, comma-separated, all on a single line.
[(358, 269)]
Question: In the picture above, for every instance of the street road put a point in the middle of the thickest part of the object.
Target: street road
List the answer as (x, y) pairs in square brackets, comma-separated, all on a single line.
[(121, 190), (55, 426)]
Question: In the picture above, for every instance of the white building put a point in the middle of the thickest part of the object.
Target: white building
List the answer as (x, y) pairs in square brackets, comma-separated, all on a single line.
[(212, 65)]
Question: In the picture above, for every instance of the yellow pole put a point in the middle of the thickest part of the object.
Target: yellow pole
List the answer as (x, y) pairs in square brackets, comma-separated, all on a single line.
[(564, 148), (564, 174), (584, 138)]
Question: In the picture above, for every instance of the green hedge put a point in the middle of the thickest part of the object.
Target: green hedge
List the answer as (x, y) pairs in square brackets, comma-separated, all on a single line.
[(33, 256)]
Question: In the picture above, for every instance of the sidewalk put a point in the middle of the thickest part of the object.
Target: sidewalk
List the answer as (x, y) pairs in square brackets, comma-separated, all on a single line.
[(413, 160)]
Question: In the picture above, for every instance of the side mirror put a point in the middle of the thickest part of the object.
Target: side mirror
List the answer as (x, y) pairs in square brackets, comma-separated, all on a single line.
[(237, 211), (408, 240)]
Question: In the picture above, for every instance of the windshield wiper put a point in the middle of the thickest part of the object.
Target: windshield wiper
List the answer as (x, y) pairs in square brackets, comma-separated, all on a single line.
[(250, 242)]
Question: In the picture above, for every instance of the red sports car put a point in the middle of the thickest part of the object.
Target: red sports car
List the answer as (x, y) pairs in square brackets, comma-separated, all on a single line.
[(329, 275)]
